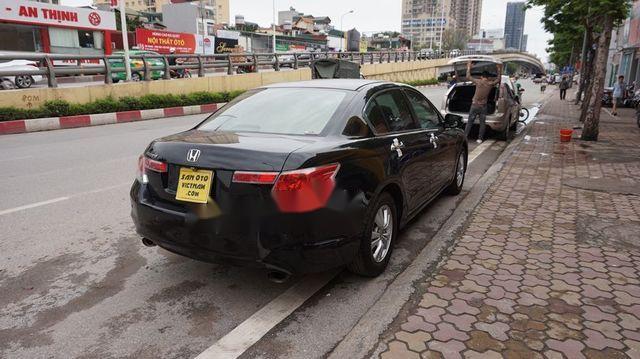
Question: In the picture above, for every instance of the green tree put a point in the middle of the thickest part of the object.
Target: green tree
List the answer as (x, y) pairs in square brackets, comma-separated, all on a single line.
[(133, 22), (575, 21)]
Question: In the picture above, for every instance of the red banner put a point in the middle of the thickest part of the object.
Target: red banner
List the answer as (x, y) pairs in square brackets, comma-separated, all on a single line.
[(163, 41)]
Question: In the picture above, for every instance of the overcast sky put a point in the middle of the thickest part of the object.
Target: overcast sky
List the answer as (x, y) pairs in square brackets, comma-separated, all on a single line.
[(378, 15)]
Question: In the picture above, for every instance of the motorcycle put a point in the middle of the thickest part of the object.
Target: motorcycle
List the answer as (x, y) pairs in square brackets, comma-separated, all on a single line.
[(629, 101), (180, 74)]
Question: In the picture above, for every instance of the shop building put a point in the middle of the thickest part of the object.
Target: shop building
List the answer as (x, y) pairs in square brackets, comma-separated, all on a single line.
[(30, 26)]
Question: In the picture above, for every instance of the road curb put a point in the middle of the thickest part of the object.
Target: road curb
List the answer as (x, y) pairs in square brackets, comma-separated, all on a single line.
[(64, 122), (363, 339)]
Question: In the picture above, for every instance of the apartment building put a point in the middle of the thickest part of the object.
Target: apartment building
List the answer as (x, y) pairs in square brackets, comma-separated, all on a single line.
[(216, 10), (423, 21)]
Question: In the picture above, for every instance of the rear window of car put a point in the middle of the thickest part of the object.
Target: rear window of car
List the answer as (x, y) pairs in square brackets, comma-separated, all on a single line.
[(292, 111)]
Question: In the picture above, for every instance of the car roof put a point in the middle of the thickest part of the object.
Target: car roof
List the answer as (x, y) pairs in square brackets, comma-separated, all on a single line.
[(340, 84)]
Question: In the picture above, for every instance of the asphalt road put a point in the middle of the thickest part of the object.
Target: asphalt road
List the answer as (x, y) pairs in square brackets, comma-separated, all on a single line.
[(76, 282)]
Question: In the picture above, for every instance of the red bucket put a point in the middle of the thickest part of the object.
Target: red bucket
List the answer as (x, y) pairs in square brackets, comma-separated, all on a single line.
[(565, 135)]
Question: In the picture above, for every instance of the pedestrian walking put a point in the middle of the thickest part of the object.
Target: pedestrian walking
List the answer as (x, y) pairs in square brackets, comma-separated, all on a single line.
[(618, 94), (564, 85), (479, 103)]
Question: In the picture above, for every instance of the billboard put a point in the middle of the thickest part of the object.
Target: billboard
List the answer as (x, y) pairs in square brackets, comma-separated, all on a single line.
[(162, 42)]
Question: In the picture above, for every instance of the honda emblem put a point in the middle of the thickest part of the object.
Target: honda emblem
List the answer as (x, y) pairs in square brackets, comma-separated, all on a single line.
[(193, 155)]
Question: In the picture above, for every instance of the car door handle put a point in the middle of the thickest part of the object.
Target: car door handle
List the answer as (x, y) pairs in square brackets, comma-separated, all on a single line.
[(396, 145), (433, 139)]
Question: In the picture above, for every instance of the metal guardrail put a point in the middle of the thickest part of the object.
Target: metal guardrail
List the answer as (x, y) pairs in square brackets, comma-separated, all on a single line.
[(231, 62)]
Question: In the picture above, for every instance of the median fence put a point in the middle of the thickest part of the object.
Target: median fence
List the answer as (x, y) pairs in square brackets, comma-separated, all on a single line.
[(147, 66)]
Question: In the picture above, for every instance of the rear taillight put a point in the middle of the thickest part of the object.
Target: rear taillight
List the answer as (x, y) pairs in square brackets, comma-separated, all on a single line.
[(146, 164), (155, 166), (305, 190), (255, 177)]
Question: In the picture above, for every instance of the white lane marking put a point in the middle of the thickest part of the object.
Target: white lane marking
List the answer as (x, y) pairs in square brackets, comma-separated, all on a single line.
[(15, 158), (479, 150), (32, 205), (249, 332), (59, 199)]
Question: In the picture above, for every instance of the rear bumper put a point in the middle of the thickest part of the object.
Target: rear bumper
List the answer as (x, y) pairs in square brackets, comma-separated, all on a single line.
[(494, 121), (294, 243)]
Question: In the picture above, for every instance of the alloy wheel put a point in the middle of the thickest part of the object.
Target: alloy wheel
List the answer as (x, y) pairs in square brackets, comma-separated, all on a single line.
[(24, 81), (460, 171), (381, 233)]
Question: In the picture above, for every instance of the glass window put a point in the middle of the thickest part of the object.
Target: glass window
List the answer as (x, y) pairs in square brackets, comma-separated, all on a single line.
[(20, 38), (296, 111), (63, 37), (427, 115), (388, 112)]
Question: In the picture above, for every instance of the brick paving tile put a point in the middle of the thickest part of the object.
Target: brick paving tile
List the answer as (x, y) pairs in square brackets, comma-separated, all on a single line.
[(547, 265)]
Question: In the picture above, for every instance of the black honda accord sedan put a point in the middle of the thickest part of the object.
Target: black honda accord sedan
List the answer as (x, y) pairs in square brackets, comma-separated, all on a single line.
[(300, 177)]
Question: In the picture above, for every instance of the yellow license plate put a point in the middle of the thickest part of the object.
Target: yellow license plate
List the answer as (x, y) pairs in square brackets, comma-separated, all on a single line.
[(194, 185)]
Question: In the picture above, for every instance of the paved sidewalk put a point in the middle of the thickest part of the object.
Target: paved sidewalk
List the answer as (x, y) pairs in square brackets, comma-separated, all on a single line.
[(549, 263)]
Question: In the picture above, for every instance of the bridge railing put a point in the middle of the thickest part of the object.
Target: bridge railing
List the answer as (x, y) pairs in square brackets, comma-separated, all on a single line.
[(156, 66)]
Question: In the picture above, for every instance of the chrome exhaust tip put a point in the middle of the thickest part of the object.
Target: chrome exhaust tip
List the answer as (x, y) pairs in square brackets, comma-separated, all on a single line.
[(148, 243)]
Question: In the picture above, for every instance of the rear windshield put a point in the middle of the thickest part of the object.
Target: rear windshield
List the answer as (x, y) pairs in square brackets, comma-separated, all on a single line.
[(293, 111)]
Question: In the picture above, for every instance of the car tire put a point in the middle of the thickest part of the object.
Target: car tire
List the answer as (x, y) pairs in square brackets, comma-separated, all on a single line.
[(115, 80), (514, 126), (505, 134), (455, 187), (24, 81), (372, 259), (135, 77)]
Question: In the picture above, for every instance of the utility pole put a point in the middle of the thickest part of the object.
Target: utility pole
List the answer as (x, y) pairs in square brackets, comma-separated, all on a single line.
[(125, 39)]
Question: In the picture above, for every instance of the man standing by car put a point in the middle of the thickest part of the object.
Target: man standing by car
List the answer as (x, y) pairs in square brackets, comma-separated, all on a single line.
[(479, 103)]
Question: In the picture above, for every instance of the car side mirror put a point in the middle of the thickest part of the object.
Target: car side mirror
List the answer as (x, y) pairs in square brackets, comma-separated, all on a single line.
[(453, 121)]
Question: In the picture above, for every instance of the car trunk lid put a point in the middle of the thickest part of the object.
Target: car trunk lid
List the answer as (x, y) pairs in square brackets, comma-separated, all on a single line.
[(479, 65), (221, 152)]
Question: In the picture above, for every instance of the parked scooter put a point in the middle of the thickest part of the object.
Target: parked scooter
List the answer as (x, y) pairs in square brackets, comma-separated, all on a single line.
[(607, 97)]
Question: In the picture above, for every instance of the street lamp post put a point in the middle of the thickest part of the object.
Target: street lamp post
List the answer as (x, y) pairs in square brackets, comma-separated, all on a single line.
[(341, 30), (442, 31), (274, 26)]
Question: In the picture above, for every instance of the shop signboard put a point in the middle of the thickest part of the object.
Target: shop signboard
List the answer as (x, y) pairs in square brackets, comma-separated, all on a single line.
[(37, 13), (163, 41)]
